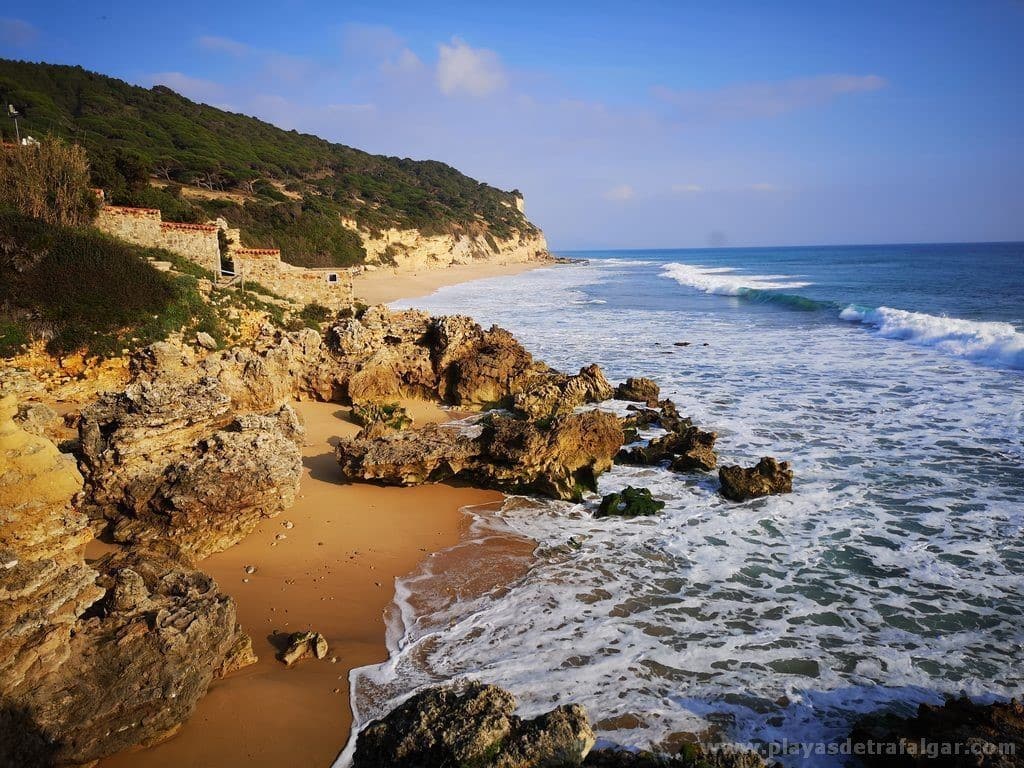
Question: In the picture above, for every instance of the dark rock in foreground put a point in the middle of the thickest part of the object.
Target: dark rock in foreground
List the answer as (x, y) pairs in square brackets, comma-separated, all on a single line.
[(960, 734), (473, 725), (685, 447), (629, 502), (767, 477)]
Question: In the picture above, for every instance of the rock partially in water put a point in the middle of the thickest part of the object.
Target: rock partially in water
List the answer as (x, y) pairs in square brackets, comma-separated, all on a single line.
[(556, 394), (639, 390), (304, 645), (767, 477), (629, 502), (960, 733), (560, 459), (473, 725), (687, 450)]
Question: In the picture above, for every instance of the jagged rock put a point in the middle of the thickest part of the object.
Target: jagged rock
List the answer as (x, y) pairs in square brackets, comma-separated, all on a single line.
[(473, 725), (240, 655), (961, 734), (767, 477), (83, 677), (555, 394), (303, 645), (167, 463), (560, 459), (389, 415), (687, 450), (691, 757), (629, 502), (640, 390)]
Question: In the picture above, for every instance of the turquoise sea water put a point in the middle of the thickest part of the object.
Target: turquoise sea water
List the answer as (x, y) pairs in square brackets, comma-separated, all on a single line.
[(892, 377)]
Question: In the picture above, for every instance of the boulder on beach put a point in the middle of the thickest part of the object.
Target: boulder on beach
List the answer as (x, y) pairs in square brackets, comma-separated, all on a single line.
[(473, 725), (767, 477), (304, 645), (961, 734)]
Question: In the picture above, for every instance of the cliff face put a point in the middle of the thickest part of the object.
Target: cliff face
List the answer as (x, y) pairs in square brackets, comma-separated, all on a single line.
[(410, 249)]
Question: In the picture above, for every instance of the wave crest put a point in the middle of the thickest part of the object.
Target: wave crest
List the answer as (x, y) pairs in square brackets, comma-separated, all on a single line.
[(723, 281), (987, 342)]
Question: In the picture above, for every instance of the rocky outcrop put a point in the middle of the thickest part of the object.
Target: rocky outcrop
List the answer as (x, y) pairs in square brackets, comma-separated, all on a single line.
[(556, 394), (685, 447), (629, 502), (45, 584), (387, 415), (169, 465), (639, 390), (473, 725), (958, 734), (560, 459), (767, 477), (93, 659)]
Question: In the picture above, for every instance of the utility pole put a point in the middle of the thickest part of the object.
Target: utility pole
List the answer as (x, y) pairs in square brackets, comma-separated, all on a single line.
[(13, 114)]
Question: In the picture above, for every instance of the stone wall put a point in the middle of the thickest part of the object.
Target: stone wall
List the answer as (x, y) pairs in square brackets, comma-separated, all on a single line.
[(330, 287), (144, 226)]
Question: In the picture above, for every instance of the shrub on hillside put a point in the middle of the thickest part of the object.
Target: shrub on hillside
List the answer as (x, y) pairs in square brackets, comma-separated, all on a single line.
[(47, 181)]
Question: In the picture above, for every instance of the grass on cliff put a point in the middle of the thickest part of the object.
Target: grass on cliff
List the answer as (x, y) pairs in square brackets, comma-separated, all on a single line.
[(83, 291)]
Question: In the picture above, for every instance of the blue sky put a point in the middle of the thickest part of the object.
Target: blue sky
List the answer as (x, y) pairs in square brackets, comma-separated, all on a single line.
[(625, 125)]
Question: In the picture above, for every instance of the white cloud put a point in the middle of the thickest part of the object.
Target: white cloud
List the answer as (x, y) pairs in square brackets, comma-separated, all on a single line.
[(194, 88), (766, 99), (223, 45), (687, 189), (620, 193), (17, 33), (472, 71)]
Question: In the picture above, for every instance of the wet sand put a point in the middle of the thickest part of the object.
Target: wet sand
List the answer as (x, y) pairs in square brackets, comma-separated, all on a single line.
[(334, 573), (386, 285)]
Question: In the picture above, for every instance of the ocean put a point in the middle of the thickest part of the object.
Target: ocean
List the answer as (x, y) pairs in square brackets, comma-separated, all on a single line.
[(891, 377)]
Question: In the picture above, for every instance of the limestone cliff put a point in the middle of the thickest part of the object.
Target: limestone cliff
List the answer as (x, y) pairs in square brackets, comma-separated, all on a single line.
[(411, 249)]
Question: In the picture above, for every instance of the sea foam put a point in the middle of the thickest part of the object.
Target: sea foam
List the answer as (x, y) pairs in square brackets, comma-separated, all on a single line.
[(726, 281), (986, 342)]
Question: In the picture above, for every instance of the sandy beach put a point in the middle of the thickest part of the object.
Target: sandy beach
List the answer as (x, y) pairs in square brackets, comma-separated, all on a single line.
[(334, 573), (386, 285)]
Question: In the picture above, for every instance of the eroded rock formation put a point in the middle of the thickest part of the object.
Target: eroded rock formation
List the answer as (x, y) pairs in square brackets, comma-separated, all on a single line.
[(560, 459), (93, 659), (475, 725), (767, 477)]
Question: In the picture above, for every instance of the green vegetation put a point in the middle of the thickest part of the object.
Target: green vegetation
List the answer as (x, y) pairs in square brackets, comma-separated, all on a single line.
[(84, 291), (132, 135), (48, 181), (313, 315)]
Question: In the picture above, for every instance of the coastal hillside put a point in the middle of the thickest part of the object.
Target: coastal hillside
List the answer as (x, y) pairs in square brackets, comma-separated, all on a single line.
[(322, 204)]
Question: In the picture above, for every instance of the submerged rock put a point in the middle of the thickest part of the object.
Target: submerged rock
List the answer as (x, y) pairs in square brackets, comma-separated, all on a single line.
[(303, 645), (640, 390), (767, 477), (629, 502), (960, 734), (692, 757), (473, 725)]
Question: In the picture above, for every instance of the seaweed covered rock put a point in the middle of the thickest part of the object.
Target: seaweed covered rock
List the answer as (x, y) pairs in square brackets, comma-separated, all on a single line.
[(959, 733), (639, 390), (560, 459), (767, 477), (473, 725), (629, 502)]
